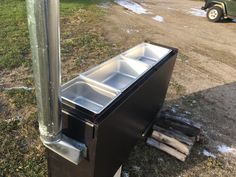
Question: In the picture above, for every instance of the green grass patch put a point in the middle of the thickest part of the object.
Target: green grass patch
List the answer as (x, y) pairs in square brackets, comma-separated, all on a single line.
[(94, 49), (183, 57), (69, 7), (14, 45), (179, 89), (20, 152), (21, 97), (83, 44)]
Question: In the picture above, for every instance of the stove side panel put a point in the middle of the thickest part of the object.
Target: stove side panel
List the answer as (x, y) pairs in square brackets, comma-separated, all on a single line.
[(118, 133)]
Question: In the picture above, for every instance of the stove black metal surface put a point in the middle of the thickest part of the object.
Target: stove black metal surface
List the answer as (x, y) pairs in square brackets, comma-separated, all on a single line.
[(111, 133), (104, 111)]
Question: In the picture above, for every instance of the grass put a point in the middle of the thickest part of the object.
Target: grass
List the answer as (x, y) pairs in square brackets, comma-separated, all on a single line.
[(69, 7), (147, 161), (183, 57), (21, 97), (83, 44), (87, 49), (14, 46), (21, 151)]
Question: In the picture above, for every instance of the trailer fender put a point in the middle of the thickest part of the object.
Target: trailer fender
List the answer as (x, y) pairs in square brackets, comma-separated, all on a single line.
[(219, 4)]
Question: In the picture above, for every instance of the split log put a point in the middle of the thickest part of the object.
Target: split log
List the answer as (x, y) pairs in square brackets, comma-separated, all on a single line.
[(167, 149), (175, 134), (182, 124), (171, 142), (180, 119), (177, 126)]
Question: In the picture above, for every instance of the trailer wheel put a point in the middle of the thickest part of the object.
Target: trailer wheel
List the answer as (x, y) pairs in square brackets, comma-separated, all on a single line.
[(214, 14)]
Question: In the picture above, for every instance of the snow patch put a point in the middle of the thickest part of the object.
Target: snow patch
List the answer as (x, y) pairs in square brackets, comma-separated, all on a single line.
[(125, 174), (105, 5), (208, 154), (136, 168), (170, 8), (173, 9), (226, 149), (133, 6), (130, 31), (20, 88), (158, 18), (197, 12)]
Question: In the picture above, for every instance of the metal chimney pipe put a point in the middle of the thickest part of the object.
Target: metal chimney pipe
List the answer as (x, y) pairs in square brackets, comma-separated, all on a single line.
[(43, 18), (43, 22)]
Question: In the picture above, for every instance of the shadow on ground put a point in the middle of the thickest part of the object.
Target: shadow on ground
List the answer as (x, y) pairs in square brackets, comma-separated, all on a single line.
[(228, 21), (214, 108)]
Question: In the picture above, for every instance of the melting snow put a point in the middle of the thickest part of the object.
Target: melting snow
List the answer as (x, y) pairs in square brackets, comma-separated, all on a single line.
[(21, 87), (130, 31), (125, 174), (105, 5), (208, 154), (225, 149), (158, 18), (136, 8), (197, 12), (170, 8)]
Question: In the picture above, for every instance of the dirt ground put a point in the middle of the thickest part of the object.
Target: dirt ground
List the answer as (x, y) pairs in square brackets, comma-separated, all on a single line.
[(203, 81), (203, 84)]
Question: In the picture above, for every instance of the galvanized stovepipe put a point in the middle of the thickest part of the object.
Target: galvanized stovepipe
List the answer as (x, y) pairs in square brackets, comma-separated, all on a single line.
[(43, 22)]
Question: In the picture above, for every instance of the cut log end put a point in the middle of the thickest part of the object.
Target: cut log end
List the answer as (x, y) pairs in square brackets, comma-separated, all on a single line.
[(174, 135)]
